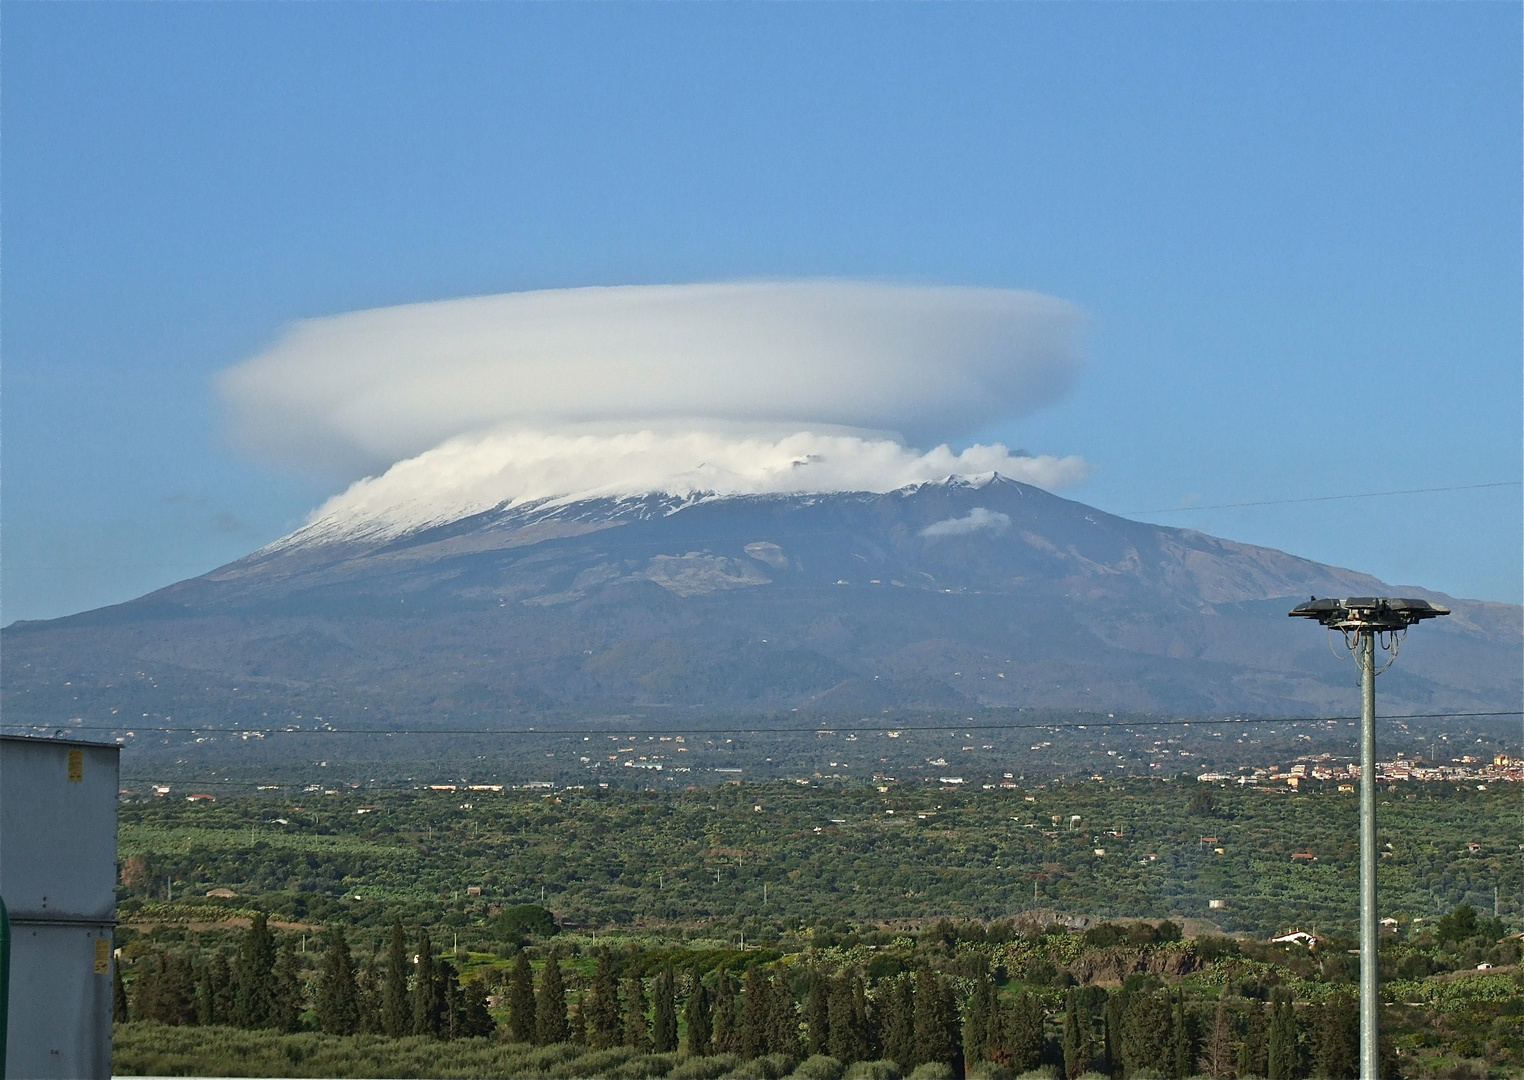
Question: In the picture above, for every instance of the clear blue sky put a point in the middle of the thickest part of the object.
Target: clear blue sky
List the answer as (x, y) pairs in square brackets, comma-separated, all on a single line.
[(1295, 230)]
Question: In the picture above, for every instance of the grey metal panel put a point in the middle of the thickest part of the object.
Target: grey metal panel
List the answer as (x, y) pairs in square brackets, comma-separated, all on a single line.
[(60, 1010), (58, 836)]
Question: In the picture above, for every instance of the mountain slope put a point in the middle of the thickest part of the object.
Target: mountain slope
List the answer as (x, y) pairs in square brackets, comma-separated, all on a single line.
[(943, 595)]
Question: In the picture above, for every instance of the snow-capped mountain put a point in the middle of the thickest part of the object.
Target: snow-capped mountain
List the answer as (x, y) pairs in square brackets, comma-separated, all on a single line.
[(946, 594)]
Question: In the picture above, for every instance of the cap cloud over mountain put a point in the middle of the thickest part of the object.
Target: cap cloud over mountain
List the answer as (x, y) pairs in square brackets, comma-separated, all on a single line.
[(711, 498), (355, 393)]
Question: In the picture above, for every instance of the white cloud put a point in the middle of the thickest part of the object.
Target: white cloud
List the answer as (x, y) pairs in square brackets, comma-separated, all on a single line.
[(478, 472), (353, 393), (975, 519)]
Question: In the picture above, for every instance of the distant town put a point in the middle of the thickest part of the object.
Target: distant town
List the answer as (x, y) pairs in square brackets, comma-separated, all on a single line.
[(1467, 769)]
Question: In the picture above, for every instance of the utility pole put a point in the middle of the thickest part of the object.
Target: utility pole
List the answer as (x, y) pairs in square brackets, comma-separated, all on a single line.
[(1362, 620)]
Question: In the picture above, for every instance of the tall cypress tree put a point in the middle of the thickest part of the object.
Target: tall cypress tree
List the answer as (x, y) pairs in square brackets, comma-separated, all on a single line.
[(899, 1026), (1339, 1038), (166, 992), (1023, 1034), (1148, 1034), (1219, 1052), (727, 1033), (863, 1007), (254, 977), (338, 1005), (451, 1005), (980, 1020), (145, 988), (425, 1004), (756, 1009), (637, 1030), (664, 1011), (817, 1013), (848, 1021), (222, 982), (603, 1004), (1251, 1060), (476, 1019), (521, 1006), (550, 1013), (288, 1001), (396, 1015), (697, 1019), (1281, 1054), (1076, 1049), (1183, 1054), (783, 1018), (368, 996), (935, 1019), (206, 1000), (1115, 1022)]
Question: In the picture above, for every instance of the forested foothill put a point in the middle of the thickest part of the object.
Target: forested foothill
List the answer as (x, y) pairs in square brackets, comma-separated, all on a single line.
[(850, 931)]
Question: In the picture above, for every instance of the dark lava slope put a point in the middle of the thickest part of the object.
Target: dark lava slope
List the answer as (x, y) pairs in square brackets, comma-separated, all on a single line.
[(940, 596)]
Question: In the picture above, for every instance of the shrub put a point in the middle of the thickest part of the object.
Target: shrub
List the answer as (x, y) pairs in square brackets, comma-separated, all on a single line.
[(1210, 947), (644, 1067), (989, 1070), (818, 1067), (511, 923), (596, 1063), (872, 1070), (703, 1068), (771, 1067), (933, 1070), (1105, 935), (540, 1060)]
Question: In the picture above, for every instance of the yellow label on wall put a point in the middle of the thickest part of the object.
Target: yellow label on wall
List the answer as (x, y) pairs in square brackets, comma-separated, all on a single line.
[(102, 956), (76, 765)]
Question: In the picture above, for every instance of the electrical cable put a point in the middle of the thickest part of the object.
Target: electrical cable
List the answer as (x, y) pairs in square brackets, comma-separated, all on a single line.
[(1321, 498)]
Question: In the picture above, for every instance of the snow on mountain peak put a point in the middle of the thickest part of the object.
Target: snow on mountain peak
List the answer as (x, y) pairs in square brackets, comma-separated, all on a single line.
[(475, 473)]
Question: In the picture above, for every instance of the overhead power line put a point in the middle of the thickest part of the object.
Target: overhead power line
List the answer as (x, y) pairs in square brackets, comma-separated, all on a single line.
[(1322, 498)]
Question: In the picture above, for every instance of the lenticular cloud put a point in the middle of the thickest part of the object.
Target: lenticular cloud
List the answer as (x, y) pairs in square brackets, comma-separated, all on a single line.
[(460, 405), (369, 388), (476, 473)]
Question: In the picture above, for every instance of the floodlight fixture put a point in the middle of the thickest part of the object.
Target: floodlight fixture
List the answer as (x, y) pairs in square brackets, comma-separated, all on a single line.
[(1363, 620), (1379, 613)]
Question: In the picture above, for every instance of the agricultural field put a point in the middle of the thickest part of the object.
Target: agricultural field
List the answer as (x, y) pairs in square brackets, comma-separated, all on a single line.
[(1049, 927), (764, 859)]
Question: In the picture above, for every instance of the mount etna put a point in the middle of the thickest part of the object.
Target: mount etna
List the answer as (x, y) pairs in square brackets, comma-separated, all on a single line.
[(971, 592)]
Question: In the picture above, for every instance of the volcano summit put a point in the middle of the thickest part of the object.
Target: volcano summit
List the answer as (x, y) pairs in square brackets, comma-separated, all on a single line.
[(958, 593)]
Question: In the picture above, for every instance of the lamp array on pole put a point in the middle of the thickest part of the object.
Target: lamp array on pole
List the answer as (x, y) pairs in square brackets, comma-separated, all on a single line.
[(1362, 620)]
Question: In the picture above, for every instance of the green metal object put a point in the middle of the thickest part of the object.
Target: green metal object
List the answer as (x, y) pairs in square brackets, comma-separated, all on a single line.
[(1362, 619)]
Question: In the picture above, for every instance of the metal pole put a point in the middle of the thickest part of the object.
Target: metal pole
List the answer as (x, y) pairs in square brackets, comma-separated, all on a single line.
[(1370, 1005)]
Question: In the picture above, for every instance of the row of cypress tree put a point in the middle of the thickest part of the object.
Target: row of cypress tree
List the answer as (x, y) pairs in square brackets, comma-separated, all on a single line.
[(262, 988), (1154, 1034), (914, 1020), (911, 1020), (908, 1019), (411, 995)]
